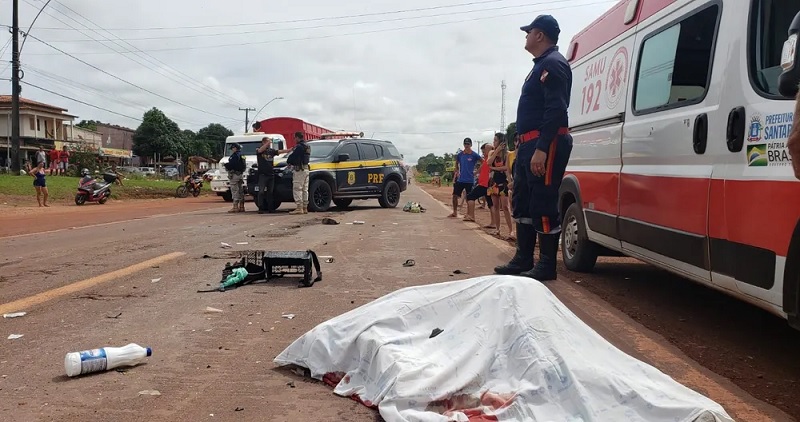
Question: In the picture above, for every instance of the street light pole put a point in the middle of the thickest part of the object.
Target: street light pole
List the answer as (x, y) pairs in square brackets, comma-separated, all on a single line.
[(265, 106), (16, 89)]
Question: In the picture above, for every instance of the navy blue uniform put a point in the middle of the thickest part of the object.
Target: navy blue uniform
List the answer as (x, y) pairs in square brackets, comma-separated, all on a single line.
[(542, 123)]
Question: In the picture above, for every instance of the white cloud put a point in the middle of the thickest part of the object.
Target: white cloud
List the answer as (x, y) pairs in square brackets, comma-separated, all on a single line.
[(401, 85)]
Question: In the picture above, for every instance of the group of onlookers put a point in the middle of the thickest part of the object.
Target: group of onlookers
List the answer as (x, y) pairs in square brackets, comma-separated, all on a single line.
[(486, 176)]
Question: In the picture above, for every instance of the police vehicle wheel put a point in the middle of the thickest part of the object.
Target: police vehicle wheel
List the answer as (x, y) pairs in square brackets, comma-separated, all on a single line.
[(391, 195), (342, 203), (227, 196), (579, 253), (319, 196)]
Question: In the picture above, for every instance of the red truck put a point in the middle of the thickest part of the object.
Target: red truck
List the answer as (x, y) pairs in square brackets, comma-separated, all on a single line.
[(287, 126)]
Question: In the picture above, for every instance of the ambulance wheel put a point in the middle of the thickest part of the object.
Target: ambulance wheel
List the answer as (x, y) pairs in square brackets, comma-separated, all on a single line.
[(579, 253), (391, 195), (342, 203), (319, 196)]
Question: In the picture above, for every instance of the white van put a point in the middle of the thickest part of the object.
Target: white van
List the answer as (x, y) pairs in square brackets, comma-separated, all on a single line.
[(250, 142), (680, 153)]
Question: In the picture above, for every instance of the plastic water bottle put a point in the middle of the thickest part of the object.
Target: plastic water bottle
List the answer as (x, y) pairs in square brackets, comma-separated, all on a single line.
[(103, 359)]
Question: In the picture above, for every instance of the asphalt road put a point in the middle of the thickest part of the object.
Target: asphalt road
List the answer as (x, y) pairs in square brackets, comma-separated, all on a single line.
[(137, 281)]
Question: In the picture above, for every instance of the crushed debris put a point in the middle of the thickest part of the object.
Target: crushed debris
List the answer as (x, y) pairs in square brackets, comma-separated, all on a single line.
[(288, 316), (210, 310), (15, 336), (149, 393), (115, 317), (329, 221), (155, 280), (409, 263), (14, 315), (224, 245)]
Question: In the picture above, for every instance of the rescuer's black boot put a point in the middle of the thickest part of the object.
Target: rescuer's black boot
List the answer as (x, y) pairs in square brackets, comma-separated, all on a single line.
[(523, 258)]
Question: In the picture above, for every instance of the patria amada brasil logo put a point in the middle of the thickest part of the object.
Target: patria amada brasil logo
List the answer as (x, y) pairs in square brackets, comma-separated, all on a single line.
[(757, 155)]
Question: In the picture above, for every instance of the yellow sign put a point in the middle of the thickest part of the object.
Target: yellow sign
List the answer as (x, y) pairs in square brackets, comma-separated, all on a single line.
[(351, 178), (114, 152), (450, 166), (376, 178)]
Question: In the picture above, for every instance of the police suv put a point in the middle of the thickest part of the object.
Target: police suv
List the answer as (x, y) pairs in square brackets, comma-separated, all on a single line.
[(341, 171), (679, 157)]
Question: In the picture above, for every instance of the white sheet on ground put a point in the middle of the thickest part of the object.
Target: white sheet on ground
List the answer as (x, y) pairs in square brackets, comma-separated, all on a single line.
[(508, 348)]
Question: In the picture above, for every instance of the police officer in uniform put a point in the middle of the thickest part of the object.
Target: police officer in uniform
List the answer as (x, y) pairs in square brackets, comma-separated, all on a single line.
[(543, 152), (299, 160), (236, 166)]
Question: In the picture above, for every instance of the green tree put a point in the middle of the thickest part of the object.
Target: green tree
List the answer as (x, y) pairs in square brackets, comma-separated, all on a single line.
[(89, 124), (83, 156), (158, 135), (216, 133)]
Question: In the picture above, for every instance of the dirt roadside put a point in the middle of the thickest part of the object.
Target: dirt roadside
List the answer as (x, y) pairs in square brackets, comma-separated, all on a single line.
[(16, 220), (753, 349)]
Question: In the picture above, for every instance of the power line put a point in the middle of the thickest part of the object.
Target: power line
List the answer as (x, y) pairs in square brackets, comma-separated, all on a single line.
[(125, 81), (362, 15), (174, 79), (201, 47), (218, 34), (83, 88), (168, 67), (81, 102)]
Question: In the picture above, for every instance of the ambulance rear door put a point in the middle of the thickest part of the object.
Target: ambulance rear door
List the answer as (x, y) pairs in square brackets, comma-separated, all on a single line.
[(756, 205)]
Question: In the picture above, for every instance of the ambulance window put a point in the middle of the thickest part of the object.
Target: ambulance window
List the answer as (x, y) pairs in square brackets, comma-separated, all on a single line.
[(368, 152), (769, 22), (675, 63)]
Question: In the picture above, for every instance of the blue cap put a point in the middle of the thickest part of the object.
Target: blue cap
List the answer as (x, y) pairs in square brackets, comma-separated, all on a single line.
[(546, 24), (149, 351)]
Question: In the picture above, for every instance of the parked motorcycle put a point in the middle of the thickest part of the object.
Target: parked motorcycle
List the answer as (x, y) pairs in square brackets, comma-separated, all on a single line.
[(192, 184), (89, 189)]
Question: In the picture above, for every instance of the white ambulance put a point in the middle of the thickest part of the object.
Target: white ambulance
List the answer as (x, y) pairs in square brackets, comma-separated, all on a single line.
[(680, 154), (250, 142)]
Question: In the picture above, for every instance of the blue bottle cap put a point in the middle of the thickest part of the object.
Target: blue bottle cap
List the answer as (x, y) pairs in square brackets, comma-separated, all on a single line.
[(149, 351)]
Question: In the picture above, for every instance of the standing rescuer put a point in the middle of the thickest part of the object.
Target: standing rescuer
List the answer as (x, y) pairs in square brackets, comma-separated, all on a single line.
[(544, 149), (266, 174), (298, 159), (236, 166)]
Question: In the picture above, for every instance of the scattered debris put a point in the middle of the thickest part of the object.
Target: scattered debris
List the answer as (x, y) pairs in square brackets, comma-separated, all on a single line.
[(328, 259), (155, 280), (299, 372), (14, 315), (288, 316), (115, 317), (409, 263), (436, 332), (238, 409), (413, 207), (15, 336), (358, 222), (460, 272), (149, 393), (224, 245), (210, 310), (242, 243), (577, 281), (431, 248), (290, 384), (329, 221)]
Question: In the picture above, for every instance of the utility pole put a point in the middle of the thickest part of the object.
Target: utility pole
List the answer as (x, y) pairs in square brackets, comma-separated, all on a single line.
[(246, 117), (503, 107), (16, 160)]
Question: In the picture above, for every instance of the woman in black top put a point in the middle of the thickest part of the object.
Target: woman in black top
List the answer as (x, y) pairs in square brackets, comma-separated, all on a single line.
[(499, 191)]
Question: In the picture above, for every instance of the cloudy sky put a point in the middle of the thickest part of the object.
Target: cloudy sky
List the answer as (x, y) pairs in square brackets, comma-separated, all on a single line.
[(423, 74)]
